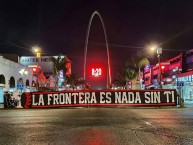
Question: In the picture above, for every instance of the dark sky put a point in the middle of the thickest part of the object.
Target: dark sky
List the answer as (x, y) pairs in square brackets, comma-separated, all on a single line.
[(60, 26)]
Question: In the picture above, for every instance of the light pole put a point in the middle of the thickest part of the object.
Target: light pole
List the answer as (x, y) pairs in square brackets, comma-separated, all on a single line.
[(176, 72), (37, 50), (159, 52)]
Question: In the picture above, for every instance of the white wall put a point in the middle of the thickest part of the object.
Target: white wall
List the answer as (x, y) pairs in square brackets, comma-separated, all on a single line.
[(11, 69)]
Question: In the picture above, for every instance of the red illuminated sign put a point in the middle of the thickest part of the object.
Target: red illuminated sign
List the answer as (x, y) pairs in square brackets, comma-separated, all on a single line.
[(96, 72)]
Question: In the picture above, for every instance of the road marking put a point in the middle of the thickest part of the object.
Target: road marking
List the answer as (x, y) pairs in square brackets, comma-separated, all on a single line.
[(147, 123)]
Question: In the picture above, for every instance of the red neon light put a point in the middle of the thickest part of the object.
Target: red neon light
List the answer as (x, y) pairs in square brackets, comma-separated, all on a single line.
[(34, 69)]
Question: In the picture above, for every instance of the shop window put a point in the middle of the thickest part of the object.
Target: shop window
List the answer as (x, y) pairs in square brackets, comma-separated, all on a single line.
[(155, 76), (189, 54), (167, 73), (12, 82), (190, 67), (147, 79), (27, 83), (2, 79)]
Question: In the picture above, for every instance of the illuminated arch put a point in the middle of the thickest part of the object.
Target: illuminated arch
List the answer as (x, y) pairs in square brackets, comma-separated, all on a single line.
[(106, 41), (2, 79)]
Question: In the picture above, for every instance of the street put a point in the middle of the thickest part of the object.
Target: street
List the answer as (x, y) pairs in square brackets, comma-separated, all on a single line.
[(97, 126)]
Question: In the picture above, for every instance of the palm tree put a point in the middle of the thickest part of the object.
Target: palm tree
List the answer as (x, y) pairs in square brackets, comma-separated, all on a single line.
[(142, 63), (133, 69), (59, 64), (72, 80)]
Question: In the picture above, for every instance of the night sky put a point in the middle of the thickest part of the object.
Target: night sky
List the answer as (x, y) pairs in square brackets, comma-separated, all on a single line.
[(60, 26)]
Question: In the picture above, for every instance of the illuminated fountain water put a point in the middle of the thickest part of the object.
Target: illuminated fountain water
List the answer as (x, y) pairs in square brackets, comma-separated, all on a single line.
[(106, 42)]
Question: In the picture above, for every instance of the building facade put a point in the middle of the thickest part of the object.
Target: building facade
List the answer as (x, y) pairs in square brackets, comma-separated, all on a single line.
[(177, 75), (44, 62), (14, 77)]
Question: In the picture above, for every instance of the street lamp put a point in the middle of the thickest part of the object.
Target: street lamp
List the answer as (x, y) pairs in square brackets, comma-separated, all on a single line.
[(176, 72), (23, 72), (37, 50), (159, 52)]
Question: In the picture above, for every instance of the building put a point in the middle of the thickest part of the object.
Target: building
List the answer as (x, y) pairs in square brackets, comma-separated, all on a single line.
[(185, 79), (151, 75), (45, 63), (177, 74), (14, 77)]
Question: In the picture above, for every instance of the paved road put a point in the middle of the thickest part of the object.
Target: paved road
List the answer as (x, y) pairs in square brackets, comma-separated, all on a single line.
[(97, 126)]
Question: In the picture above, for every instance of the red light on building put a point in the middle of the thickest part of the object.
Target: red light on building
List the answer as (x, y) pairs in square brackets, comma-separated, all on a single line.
[(36, 70), (96, 72)]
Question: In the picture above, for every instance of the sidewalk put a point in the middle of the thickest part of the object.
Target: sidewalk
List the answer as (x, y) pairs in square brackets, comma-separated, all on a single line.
[(188, 104), (1, 106)]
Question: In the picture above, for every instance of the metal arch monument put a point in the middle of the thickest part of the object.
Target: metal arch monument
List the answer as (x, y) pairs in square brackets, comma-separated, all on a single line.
[(106, 42)]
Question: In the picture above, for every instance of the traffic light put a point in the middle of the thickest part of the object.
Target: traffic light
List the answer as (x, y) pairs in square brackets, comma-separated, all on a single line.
[(162, 69)]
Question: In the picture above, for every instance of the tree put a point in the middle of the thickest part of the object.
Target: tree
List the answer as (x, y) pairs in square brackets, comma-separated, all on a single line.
[(59, 63), (134, 67), (72, 80), (119, 81), (130, 70)]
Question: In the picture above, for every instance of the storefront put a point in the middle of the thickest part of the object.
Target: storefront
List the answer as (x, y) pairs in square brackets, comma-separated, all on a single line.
[(11, 75), (188, 91), (1, 95), (185, 85)]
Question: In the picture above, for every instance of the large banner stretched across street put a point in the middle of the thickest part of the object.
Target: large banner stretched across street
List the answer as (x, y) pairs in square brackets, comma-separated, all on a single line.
[(95, 98)]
